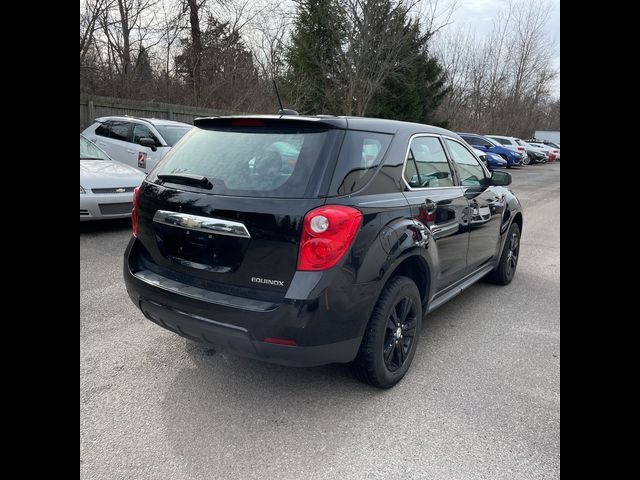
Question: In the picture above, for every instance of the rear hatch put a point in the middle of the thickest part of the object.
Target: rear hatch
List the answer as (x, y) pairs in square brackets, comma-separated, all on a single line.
[(224, 210)]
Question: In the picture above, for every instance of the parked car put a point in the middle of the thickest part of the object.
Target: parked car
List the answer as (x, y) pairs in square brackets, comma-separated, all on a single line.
[(484, 143), (494, 160), (512, 143), (139, 142), (491, 160), (554, 153), (335, 260), (106, 186), (534, 154)]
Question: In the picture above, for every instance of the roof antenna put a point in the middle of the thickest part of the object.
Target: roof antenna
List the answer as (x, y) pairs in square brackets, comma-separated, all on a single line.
[(283, 111)]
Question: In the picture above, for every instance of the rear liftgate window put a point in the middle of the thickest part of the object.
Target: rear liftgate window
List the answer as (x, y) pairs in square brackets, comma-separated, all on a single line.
[(260, 161)]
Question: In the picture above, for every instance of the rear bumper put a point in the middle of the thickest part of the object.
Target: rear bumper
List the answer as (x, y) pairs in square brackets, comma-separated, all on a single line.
[(326, 330), (238, 340)]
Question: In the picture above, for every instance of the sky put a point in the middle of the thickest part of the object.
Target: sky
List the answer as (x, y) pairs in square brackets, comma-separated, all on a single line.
[(479, 14)]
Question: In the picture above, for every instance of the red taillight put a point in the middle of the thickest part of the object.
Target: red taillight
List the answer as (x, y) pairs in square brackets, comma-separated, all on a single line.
[(247, 122), (327, 234), (281, 341), (134, 212), (521, 149)]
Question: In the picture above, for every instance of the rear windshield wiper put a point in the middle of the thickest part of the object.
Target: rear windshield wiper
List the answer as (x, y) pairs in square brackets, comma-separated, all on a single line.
[(186, 179)]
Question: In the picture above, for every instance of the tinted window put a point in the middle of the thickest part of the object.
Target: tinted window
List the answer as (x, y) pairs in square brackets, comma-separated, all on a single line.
[(119, 131), (141, 131), (503, 141), (427, 164), (361, 152), (172, 133), (471, 173), (263, 161), (103, 129)]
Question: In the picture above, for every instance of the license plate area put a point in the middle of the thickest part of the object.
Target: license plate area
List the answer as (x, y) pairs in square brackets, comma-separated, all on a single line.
[(196, 249)]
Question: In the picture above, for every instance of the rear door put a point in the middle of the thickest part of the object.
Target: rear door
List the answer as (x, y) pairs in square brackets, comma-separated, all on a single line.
[(438, 205), (118, 142), (239, 235)]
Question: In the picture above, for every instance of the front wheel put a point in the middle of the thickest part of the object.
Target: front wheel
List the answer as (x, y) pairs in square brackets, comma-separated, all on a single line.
[(506, 268), (391, 338)]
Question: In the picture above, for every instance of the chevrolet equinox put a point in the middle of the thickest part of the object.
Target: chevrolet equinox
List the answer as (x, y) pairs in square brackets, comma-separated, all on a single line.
[(307, 240)]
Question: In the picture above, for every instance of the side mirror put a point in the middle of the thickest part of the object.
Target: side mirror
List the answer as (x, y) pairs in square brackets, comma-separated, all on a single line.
[(148, 142), (500, 178)]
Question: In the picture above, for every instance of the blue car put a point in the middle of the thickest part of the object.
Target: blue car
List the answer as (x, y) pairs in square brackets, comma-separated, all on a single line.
[(490, 146), (496, 161)]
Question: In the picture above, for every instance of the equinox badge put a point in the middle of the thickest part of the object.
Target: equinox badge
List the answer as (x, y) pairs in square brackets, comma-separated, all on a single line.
[(266, 281)]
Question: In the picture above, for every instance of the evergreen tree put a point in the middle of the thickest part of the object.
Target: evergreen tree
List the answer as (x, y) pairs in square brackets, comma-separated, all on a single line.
[(313, 81), (413, 92)]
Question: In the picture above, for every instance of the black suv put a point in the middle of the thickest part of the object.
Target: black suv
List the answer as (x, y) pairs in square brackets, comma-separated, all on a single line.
[(311, 240)]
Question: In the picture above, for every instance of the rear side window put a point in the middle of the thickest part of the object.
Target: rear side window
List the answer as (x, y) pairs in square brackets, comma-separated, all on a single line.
[(103, 129), (251, 162), (360, 154), (427, 164), (120, 131), (503, 141)]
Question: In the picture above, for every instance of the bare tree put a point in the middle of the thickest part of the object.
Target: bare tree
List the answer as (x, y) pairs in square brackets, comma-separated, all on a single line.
[(89, 16), (500, 85)]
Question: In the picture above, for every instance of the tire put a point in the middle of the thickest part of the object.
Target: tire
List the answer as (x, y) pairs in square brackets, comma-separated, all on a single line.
[(381, 341), (506, 268), (526, 160)]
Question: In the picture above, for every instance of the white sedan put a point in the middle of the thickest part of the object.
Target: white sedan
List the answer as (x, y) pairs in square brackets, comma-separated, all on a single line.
[(106, 186)]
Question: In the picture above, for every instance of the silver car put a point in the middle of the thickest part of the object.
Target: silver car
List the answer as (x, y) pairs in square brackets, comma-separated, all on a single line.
[(139, 142), (106, 186)]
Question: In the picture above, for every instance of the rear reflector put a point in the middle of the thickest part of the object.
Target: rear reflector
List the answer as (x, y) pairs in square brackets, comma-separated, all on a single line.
[(247, 122), (281, 341)]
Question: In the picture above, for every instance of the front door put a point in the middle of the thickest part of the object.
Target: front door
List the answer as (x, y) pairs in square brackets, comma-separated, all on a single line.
[(485, 205)]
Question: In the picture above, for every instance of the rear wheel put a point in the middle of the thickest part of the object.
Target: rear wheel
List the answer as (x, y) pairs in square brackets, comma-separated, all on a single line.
[(390, 340), (506, 268), (526, 160)]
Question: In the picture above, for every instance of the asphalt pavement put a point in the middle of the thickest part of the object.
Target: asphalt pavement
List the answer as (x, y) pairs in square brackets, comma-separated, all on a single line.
[(481, 400)]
